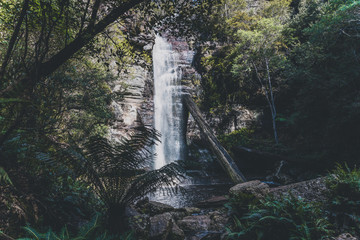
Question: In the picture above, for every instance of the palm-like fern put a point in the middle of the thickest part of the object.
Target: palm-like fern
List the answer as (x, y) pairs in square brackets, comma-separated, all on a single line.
[(4, 177), (117, 171)]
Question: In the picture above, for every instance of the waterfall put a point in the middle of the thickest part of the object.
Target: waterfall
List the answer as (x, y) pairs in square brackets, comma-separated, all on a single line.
[(168, 113)]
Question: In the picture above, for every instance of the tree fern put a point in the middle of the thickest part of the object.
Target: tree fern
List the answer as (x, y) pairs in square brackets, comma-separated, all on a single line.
[(117, 170)]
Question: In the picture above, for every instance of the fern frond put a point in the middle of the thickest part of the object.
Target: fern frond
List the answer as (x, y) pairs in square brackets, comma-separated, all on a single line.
[(4, 177), (33, 232), (166, 177)]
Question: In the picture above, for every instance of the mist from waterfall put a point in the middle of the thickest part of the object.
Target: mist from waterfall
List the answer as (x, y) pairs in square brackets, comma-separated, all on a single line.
[(168, 113)]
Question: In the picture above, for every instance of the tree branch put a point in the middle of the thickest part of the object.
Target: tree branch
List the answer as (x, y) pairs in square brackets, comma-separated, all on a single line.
[(83, 39), (94, 13), (14, 37), (46, 68)]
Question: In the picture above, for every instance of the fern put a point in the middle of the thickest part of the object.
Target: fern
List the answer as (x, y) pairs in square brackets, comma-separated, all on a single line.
[(116, 171), (344, 198), (4, 177), (33, 233), (288, 218), (91, 231)]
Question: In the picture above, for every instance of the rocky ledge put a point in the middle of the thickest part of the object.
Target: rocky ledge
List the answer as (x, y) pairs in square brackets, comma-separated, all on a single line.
[(208, 220)]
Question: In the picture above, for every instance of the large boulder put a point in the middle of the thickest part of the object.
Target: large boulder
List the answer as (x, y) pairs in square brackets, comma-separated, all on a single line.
[(219, 220), (213, 221), (256, 188), (195, 223), (217, 201), (158, 208), (160, 226), (311, 190), (176, 233), (152, 208), (344, 236)]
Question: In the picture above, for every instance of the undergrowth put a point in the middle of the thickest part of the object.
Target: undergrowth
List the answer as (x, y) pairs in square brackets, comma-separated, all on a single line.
[(344, 198), (287, 218), (292, 218), (93, 230)]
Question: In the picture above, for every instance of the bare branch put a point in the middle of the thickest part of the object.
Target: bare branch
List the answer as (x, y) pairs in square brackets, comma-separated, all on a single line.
[(14, 37)]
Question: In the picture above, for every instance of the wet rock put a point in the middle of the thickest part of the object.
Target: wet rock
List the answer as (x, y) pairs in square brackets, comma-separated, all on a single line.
[(192, 210), (217, 201), (218, 220), (158, 208), (256, 188), (176, 233), (196, 223), (148, 47), (153, 208), (160, 226), (311, 190), (177, 215), (344, 236)]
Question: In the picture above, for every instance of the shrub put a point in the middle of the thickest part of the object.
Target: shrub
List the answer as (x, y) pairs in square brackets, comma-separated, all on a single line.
[(240, 203), (90, 231), (288, 218), (344, 198)]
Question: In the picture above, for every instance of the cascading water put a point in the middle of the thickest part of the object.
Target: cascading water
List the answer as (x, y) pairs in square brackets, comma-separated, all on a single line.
[(168, 116), (169, 121)]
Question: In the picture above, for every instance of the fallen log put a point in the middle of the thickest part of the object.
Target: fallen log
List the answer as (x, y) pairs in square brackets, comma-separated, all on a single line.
[(223, 156)]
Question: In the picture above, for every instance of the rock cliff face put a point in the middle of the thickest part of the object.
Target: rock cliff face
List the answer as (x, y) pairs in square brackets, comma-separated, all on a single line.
[(138, 105)]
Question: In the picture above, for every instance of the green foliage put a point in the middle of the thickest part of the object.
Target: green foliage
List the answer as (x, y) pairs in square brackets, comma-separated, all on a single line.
[(240, 203), (117, 171), (241, 137), (311, 51), (286, 218), (344, 196), (4, 177), (90, 231), (323, 77)]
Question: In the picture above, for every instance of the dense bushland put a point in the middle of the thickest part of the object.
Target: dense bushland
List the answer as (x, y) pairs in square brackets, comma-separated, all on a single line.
[(295, 61), (289, 217)]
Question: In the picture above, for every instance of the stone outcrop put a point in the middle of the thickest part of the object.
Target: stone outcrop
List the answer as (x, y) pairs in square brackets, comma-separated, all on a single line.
[(195, 223), (160, 226), (136, 104), (158, 221), (217, 201), (256, 188), (311, 190), (209, 221), (152, 208), (344, 236)]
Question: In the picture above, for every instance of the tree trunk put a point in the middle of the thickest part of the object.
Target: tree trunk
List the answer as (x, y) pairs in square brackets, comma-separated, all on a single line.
[(46, 68), (223, 156)]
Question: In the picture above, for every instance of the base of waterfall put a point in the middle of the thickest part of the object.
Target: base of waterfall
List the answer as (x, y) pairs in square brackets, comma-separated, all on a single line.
[(208, 219)]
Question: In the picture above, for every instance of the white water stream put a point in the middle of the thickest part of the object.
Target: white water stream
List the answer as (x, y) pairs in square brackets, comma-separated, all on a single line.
[(169, 121), (168, 114)]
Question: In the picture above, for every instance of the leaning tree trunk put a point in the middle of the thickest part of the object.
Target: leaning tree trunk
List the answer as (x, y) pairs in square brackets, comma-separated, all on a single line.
[(223, 156)]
